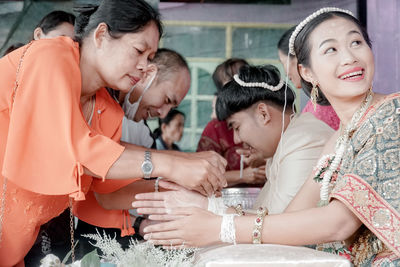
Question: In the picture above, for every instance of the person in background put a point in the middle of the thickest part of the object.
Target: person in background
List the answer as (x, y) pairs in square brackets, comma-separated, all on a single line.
[(170, 130), (322, 110), (217, 137), (56, 23), (167, 72), (12, 48)]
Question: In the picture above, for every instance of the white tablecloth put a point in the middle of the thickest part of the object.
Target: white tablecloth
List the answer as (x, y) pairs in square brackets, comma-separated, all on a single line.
[(266, 255)]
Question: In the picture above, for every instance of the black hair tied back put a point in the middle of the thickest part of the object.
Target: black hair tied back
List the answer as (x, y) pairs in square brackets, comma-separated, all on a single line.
[(82, 20)]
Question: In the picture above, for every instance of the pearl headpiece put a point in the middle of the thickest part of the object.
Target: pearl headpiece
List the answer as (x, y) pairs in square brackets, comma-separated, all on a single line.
[(258, 84), (301, 25)]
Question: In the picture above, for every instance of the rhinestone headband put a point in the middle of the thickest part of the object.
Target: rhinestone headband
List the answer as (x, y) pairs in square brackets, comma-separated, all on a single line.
[(260, 84), (301, 25)]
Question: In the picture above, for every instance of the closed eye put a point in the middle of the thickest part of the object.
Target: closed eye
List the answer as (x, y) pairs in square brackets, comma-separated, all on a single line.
[(139, 51)]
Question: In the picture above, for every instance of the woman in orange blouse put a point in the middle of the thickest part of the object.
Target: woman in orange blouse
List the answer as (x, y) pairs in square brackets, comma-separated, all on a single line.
[(59, 128)]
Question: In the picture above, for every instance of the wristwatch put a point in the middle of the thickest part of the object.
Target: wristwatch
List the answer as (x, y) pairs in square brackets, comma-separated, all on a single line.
[(147, 165)]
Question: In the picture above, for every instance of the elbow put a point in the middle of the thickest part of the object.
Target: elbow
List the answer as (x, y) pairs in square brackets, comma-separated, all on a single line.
[(103, 201), (344, 224)]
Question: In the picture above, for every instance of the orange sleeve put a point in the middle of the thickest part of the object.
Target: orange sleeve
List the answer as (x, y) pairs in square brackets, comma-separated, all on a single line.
[(48, 141), (91, 212)]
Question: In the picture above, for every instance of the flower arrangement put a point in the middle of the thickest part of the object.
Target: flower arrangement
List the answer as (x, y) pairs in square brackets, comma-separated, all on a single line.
[(137, 254), (141, 253)]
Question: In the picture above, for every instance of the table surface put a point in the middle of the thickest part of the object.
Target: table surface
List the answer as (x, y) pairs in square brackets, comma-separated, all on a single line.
[(266, 255)]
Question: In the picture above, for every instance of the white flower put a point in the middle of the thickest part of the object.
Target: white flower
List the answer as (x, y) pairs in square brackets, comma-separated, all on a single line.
[(50, 260)]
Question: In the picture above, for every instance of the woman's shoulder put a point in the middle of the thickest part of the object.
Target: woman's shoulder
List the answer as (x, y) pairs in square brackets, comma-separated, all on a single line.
[(385, 106), (55, 49)]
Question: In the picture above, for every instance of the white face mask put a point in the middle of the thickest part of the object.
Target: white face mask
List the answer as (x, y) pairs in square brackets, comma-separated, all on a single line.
[(131, 109)]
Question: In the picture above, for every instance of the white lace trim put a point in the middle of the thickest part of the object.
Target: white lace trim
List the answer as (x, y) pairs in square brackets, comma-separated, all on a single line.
[(228, 231), (216, 205)]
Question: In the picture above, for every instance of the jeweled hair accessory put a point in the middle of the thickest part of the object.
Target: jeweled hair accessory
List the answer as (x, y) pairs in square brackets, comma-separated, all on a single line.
[(301, 25), (259, 84)]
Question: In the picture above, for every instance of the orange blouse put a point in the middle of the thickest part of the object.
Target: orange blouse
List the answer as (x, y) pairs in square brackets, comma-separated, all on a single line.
[(45, 141), (90, 210)]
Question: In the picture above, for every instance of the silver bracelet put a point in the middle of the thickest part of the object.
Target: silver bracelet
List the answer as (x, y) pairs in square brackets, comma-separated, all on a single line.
[(156, 184), (228, 231), (216, 205)]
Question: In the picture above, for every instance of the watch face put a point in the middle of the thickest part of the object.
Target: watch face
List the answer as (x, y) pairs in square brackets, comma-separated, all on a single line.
[(147, 167)]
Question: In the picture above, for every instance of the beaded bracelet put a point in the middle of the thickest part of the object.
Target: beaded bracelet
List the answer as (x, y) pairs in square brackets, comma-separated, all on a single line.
[(258, 223)]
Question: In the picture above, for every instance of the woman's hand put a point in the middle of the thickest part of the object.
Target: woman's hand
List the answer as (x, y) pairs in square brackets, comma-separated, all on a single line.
[(160, 203), (189, 230), (202, 172)]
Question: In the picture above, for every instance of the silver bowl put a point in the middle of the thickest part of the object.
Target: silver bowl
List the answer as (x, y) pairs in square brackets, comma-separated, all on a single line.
[(246, 196)]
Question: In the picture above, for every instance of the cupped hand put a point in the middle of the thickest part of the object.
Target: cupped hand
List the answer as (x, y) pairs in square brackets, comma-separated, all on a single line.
[(195, 227), (160, 203)]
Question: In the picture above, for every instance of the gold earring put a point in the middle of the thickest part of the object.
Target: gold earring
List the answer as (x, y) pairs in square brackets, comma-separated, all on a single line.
[(314, 95)]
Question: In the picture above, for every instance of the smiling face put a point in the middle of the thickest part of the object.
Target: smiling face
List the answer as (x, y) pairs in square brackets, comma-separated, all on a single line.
[(258, 126), (341, 61), (122, 61), (163, 95)]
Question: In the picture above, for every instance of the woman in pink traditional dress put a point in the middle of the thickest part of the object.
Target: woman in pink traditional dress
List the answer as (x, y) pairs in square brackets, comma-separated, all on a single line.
[(323, 110), (356, 185)]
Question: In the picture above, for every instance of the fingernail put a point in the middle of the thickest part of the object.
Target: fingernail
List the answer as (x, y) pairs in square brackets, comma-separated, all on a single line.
[(145, 230), (145, 237)]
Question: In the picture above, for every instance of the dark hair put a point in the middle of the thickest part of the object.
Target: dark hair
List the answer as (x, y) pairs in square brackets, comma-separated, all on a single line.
[(13, 47), (54, 19), (302, 46), (168, 61), (233, 97), (121, 16), (283, 43), (170, 116), (224, 72)]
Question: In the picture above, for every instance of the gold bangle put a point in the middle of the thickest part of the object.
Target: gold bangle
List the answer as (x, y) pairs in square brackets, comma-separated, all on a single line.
[(239, 210), (258, 223)]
